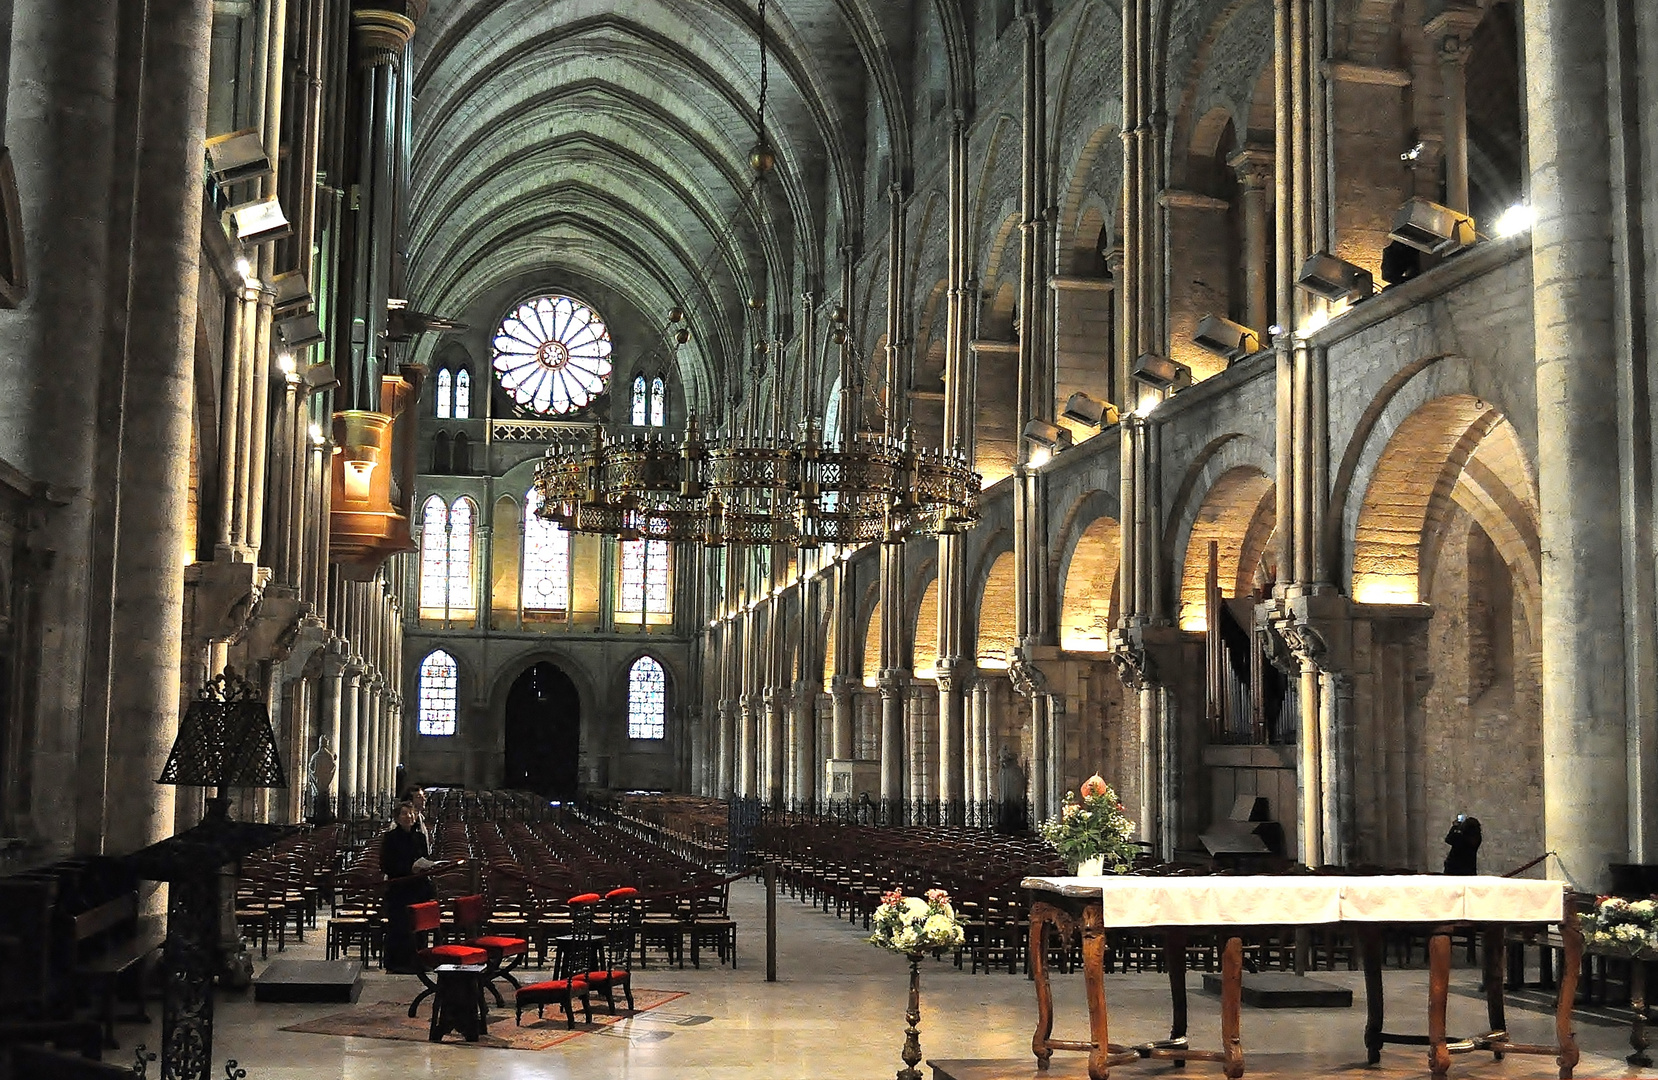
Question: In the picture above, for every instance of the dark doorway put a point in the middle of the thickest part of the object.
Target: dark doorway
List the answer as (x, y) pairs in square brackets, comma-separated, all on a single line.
[(544, 733)]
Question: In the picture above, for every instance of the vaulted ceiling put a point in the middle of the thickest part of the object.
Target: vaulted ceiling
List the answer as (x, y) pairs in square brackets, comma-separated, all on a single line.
[(604, 147)]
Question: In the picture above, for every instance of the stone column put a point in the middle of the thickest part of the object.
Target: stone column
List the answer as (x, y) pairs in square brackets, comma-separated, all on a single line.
[(841, 689), (1254, 169), (747, 783), (157, 392), (894, 691), (330, 694), (806, 765), (1452, 32), (777, 706), (952, 733), (727, 751), (374, 726), (350, 736), (1576, 285)]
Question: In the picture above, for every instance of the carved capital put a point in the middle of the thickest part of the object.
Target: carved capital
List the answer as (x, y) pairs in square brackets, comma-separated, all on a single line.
[(892, 682), (1452, 32), (1255, 167), (843, 686), (1027, 678), (1128, 655), (383, 28)]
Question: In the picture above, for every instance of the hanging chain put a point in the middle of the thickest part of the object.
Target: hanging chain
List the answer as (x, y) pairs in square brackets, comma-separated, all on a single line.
[(760, 122)]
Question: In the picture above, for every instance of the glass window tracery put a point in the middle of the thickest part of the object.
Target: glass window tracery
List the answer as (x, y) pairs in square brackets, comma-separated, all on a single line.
[(647, 699), (546, 560), (446, 588), (463, 395), (659, 402), (460, 557), (434, 554), (645, 578), (639, 411), (552, 355), (444, 394), (439, 694)]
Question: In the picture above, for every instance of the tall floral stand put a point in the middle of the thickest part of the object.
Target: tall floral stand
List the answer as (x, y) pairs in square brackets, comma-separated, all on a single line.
[(912, 1034)]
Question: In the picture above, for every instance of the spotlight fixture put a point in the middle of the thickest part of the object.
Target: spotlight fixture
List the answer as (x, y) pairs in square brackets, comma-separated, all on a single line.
[(319, 377), (1428, 226), (237, 156), (1335, 279), (1091, 411), (292, 292), (1161, 373), (1050, 437), (258, 222), (298, 331), (1223, 337)]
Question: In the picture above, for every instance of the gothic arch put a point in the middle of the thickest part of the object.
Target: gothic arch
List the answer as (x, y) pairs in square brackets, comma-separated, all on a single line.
[(1223, 455), (1237, 514)]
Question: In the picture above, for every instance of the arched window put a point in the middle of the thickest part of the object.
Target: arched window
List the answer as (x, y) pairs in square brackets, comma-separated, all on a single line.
[(446, 591), (460, 459), (552, 355), (460, 559), (546, 560), (639, 406), (439, 694), (645, 576), (445, 395), (441, 457), (463, 394), (659, 402), (647, 699)]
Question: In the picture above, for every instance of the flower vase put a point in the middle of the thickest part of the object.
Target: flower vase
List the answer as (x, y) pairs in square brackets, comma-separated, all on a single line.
[(912, 1034), (1093, 866)]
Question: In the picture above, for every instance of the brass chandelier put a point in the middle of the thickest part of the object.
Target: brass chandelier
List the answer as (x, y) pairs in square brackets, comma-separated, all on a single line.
[(759, 485)]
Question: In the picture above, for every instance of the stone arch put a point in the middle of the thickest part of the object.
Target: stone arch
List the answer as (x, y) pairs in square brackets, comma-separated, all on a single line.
[(994, 629), (1079, 230), (924, 641), (1456, 450), (1090, 591), (508, 671), (870, 648), (1209, 465), (1236, 514)]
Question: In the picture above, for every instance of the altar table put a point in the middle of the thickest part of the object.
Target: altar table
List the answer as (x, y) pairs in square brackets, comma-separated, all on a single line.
[(1230, 906)]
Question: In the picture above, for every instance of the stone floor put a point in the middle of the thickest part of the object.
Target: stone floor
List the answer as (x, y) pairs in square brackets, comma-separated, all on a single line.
[(836, 1011)]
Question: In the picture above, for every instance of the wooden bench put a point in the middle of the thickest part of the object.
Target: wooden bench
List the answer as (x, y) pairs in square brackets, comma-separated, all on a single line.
[(110, 946)]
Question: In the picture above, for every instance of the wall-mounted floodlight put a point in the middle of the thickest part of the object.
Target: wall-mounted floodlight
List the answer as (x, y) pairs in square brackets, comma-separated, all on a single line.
[(1335, 279), (1428, 226), (292, 292), (237, 156), (1084, 409), (258, 222), (1161, 373), (1050, 437), (298, 331), (1223, 337), (319, 377)]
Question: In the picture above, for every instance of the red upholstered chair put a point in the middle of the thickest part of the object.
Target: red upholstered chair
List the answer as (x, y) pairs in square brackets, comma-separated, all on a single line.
[(505, 953), (426, 918), (562, 989), (582, 910), (615, 969), (627, 916)]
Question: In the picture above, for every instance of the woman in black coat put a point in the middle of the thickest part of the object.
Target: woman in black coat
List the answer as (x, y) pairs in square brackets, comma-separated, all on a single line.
[(403, 855)]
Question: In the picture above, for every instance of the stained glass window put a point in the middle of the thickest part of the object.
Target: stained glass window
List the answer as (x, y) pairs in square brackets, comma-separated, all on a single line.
[(552, 355), (647, 699), (444, 394), (446, 559), (639, 406), (645, 577), (460, 557), (659, 403), (439, 694), (546, 560), (434, 556), (463, 395)]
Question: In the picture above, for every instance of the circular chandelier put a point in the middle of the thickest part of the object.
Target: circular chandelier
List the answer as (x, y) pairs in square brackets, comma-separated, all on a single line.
[(757, 491)]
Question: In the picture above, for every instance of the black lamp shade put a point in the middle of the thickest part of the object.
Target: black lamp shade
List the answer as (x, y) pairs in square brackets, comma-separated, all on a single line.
[(225, 739)]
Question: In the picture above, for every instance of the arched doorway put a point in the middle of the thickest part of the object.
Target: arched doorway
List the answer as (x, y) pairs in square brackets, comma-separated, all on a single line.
[(543, 733)]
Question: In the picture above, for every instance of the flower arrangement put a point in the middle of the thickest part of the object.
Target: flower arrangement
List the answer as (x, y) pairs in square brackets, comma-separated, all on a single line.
[(1622, 924), (910, 924), (1092, 824)]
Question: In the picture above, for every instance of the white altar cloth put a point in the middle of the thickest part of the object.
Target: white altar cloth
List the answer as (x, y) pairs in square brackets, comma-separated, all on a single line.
[(1128, 901)]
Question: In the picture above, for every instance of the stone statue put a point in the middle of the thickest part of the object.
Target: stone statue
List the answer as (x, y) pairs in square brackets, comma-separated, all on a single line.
[(321, 769)]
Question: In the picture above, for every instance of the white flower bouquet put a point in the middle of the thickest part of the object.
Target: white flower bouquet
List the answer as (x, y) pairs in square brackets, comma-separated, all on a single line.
[(1627, 925), (912, 924), (1092, 824)]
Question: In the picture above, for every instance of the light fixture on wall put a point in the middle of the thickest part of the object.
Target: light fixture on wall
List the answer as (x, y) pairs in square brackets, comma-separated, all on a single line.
[(1336, 280), (237, 156), (1161, 373), (1428, 226), (1084, 409), (293, 292), (258, 222), (1226, 338), (299, 330), (1049, 437)]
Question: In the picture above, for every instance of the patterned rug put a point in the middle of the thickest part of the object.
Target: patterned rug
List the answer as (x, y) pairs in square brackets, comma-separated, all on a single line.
[(390, 1020)]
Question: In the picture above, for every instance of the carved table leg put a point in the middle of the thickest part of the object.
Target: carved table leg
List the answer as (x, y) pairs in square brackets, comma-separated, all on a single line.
[(1637, 1002), (1572, 938), (1174, 959), (1040, 916), (1494, 961), (1093, 978), (1371, 938), (1231, 1000), (1439, 984)]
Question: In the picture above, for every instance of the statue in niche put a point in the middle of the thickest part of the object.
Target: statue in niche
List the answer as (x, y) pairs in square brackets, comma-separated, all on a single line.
[(321, 774), (1010, 794)]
